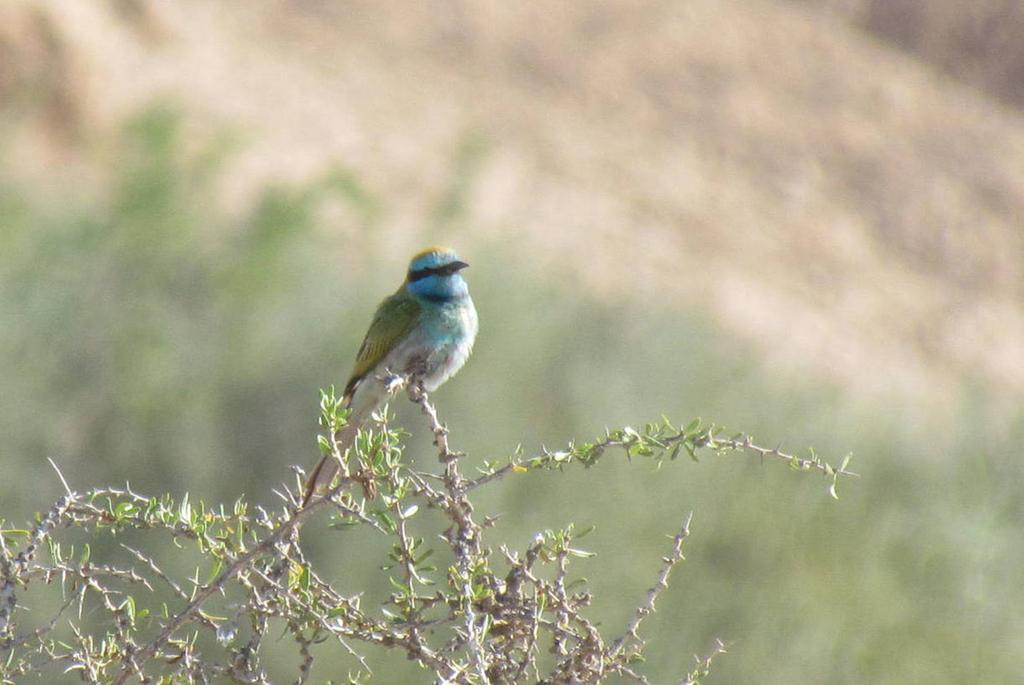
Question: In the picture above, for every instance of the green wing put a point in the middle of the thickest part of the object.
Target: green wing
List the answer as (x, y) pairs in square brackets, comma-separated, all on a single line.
[(393, 320)]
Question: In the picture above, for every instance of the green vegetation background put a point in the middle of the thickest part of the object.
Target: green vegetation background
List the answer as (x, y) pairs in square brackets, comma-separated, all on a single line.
[(146, 335)]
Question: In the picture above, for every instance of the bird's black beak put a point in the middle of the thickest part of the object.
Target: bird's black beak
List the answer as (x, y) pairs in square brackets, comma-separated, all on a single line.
[(458, 266)]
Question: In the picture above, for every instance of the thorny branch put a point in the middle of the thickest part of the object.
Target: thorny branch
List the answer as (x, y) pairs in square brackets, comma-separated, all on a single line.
[(464, 535), (660, 585), (507, 619), (658, 441), (139, 658)]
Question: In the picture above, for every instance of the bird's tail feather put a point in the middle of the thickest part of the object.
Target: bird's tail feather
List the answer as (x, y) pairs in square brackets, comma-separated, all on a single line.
[(328, 466)]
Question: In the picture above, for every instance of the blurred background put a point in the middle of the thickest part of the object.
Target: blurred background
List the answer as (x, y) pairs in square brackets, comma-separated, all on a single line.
[(801, 219)]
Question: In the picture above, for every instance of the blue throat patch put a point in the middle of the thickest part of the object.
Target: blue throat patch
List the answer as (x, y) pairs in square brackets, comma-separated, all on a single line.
[(437, 288)]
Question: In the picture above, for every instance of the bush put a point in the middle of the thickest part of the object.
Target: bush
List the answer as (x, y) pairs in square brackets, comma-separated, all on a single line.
[(468, 614)]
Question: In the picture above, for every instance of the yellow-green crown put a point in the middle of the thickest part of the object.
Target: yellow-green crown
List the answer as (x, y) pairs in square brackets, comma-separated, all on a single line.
[(432, 257)]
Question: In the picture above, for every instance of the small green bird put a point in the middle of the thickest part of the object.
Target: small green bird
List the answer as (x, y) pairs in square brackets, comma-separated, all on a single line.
[(424, 331)]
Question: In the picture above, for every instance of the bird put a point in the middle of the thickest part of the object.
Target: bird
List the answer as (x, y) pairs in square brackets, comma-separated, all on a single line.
[(425, 331)]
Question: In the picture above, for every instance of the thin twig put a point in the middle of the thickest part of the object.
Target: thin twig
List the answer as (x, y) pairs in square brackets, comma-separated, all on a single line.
[(703, 664), (67, 489), (660, 585)]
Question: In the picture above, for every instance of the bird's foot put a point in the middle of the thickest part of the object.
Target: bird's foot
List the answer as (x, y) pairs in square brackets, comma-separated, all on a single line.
[(393, 382), (417, 393)]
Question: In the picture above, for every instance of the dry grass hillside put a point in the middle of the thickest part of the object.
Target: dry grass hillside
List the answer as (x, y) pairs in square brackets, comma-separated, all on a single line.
[(981, 43), (848, 208)]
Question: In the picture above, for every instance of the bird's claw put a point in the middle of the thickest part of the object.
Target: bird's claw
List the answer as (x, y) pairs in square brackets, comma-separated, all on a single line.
[(393, 381), (416, 391)]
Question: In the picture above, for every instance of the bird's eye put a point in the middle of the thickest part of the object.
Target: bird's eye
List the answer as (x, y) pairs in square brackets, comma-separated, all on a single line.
[(446, 270)]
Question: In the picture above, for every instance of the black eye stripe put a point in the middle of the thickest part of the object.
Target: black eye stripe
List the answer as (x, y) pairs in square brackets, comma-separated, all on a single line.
[(446, 270)]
